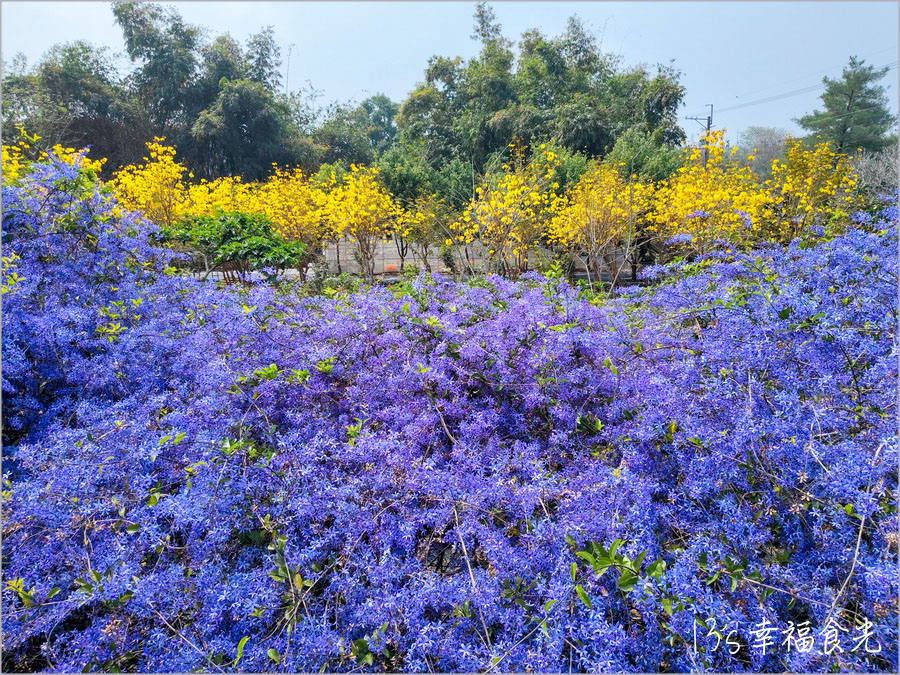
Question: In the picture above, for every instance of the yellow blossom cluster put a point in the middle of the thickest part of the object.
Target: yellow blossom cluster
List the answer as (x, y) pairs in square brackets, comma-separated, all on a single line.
[(156, 188), (294, 205), (359, 208), (509, 214), (811, 187), (711, 197), (598, 214), (15, 161), (356, 207)]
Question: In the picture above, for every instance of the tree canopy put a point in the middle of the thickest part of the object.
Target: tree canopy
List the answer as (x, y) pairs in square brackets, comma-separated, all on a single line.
[(855, 111), (561, 89)]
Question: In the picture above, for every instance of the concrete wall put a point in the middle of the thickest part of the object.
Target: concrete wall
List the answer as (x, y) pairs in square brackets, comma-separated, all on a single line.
[(387, 260)]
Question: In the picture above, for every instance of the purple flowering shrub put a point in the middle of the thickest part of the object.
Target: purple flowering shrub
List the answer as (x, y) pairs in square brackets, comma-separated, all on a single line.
[(492, 476)]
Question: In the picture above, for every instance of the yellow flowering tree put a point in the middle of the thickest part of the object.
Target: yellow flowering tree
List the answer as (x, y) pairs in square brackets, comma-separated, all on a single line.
[(226, 195), (511, 209), (711, 197), (424, 224), (813, 186), (598, 215), (359, 208), (156, 187), (295, 206)]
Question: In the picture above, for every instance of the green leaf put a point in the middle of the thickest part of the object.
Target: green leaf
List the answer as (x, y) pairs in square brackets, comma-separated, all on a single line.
[(609, 364), (549, 604), (615, 547), (178, 438), (639, 560), (667, 605), (657, 568), (574, 570), (584, 596), (131, 529), (584, 555), (275, 656), (240, 650), (627, 581)]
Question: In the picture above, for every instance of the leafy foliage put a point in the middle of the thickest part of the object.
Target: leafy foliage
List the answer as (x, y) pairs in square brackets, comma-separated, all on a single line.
[(560, 90), (237, 242)]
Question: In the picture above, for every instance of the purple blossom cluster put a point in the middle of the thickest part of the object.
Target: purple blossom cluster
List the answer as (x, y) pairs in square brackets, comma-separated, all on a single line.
[(489, 476)]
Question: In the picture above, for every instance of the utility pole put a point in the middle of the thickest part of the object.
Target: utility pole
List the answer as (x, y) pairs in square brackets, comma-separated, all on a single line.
[(287, 77), (699, 120)]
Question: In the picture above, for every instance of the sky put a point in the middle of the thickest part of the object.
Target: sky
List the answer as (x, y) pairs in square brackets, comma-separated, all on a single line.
[(729, 53)]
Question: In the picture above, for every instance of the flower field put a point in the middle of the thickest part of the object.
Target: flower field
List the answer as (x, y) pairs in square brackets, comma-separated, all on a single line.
[(442, 476)]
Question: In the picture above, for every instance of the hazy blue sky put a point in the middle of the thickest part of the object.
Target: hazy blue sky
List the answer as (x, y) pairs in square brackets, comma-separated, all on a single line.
[(729, 52)]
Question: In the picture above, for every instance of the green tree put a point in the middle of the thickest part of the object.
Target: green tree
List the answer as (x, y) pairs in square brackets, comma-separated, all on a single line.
[(358, 134), (405, 173), (343, 136), (166, 49), (74, 97), (264, 59), (379, 112), (560, 90), (855, 110), (247, 130), (427, 115), (646, 155), (222, 58)]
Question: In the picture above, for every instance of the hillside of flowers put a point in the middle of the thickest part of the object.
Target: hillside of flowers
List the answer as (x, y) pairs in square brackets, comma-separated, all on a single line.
[(490, 475)]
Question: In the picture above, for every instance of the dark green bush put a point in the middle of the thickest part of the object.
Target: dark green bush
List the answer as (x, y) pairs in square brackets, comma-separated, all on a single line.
[(236, 243)]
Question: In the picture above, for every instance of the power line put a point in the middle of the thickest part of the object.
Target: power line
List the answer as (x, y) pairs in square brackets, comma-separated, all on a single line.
[(795, 92), (804, 76)]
